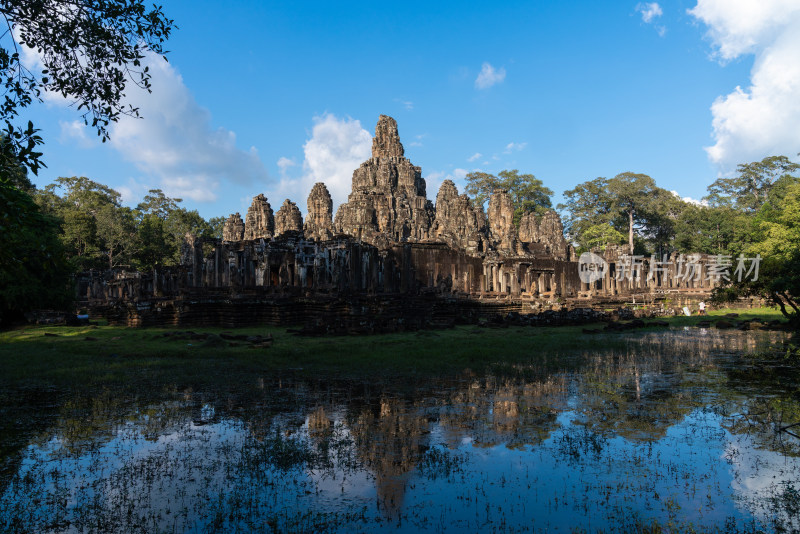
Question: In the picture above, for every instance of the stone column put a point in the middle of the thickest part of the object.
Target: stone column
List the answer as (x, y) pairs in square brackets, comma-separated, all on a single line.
[(216, 265)]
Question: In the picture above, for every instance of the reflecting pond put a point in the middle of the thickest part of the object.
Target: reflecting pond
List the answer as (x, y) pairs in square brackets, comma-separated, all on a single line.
[(676, 430)]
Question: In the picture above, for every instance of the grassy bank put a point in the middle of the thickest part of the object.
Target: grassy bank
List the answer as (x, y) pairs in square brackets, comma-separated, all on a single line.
[(760, 314), (58, 355), (104, 354)]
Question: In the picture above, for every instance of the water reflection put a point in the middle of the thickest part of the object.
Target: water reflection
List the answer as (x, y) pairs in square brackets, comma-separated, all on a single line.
[(666, 431)]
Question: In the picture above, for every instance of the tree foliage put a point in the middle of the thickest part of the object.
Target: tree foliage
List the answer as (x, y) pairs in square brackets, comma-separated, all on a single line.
[(98, 232), (163, 224), (480, 186), (528, 193), (755, 213), (711, 230), (156, 203), (629, 203), (750, 188), (587, 205), (601, 235), (775, 237), (663, 217), (34, 272), (89, 51), (632, 196)]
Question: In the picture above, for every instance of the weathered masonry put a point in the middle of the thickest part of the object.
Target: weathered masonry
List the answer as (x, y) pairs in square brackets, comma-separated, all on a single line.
[(387, 245)]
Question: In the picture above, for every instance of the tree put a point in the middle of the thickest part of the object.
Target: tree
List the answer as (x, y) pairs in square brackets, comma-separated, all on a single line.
[(116, 228), (15, 175), (85, 194), (625, 202), (587, 205), (89, 51), (528, 193), (711, 230), (750, 188), (79, 236), (155, 202), (33, 270), (776, 239), (153, 248), (181, 222), (97, 231), (162, 226), (601, 235), (631, 195), (216, 224), (480, 186), (778, 243), (664, 213)]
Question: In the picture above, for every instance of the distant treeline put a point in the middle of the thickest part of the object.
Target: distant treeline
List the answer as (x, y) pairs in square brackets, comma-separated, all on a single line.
[(98, 232), (76, 224)]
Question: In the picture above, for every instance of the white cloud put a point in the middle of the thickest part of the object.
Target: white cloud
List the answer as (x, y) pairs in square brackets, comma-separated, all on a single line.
[(133, 192), (489, 76), (434, 180), (407, 104), (512, 147), (691, 200), (475, 156), (75, 131), (336, 148), (284, 164), (744, 26), (32, 60), (760, 120), (649, 10), (418, 140), (175, 142)]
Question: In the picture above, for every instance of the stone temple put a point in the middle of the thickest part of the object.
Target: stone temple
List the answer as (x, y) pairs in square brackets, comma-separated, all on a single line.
[(389, 251)]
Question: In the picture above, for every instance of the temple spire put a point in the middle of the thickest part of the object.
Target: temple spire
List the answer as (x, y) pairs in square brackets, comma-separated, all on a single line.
[(386, 142)]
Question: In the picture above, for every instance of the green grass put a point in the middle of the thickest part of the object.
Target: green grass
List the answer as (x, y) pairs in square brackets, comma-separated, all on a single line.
[(29, 357), (762, 314), (128, 355)]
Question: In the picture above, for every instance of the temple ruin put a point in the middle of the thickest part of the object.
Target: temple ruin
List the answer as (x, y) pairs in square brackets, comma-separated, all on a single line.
[(388, 251)]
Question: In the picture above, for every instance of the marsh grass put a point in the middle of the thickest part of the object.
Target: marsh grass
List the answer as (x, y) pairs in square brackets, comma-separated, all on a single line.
[(136, 431), (65, 356)]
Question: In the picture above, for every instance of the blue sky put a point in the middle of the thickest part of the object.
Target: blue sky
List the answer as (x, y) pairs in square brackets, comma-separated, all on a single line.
[(263, 98)]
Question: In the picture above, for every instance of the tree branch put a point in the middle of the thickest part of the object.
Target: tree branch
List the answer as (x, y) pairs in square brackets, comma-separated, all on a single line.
[(790, 301), (777, 299)]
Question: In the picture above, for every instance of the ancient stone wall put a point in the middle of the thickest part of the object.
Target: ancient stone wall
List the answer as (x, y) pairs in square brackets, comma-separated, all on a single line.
[(547, 232), (388, 242), (388, 202), (319, 222), (259, 222), (233, 228), (500, 214), (672, 274), (458, 223), (288, 219)]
